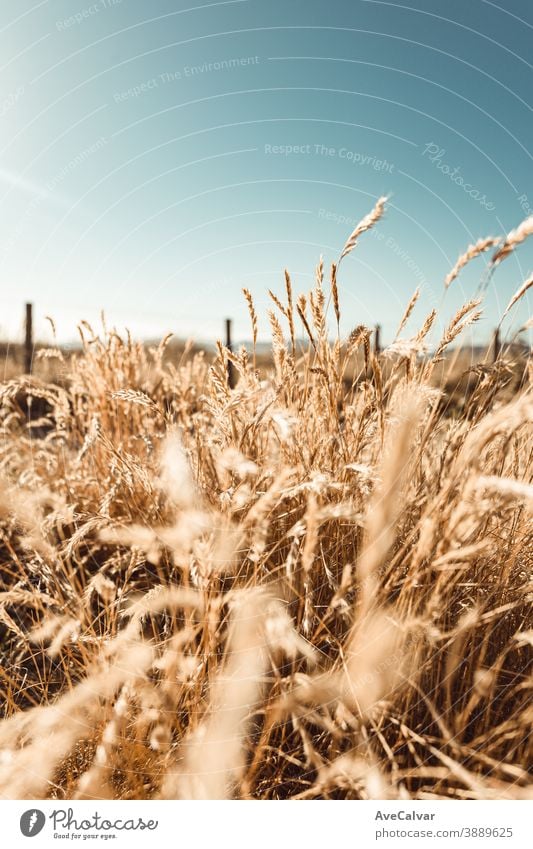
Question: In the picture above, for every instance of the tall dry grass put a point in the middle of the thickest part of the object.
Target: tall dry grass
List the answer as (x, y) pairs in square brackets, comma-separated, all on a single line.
[(308, 586)]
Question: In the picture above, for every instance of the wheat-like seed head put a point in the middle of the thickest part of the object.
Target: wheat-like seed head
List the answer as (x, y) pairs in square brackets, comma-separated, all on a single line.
[(471, 253), (365, 224), (520, 292), (313, 585), (514, 238)]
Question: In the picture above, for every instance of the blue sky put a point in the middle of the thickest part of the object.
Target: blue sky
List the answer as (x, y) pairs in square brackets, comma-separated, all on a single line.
[(157, 157)]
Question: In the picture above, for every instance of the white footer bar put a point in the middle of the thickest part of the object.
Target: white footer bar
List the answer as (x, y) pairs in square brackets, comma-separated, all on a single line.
[(268, 825)]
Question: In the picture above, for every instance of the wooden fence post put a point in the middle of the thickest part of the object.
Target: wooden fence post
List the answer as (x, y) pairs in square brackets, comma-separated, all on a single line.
[(229, 346), (377, 339), (28, 339), (496, 346)]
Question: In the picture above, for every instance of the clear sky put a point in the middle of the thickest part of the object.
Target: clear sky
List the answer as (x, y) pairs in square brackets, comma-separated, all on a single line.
[(156, 157)]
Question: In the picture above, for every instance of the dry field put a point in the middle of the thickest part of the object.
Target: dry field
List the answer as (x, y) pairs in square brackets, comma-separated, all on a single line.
[(293, 588)]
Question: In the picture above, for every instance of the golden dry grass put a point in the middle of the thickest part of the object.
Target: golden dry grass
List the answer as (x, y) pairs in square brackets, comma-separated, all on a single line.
[(296, 588)]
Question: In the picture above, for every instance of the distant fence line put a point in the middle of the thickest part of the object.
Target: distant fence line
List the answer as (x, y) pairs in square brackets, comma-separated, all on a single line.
[(495, 343)]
